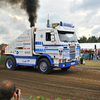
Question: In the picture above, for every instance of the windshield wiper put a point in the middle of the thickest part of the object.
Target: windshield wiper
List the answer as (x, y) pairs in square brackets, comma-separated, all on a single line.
[(73, 41), (65, 41)]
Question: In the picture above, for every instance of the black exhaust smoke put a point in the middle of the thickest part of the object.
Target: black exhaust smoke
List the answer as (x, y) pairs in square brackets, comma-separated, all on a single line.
[(30, 6)]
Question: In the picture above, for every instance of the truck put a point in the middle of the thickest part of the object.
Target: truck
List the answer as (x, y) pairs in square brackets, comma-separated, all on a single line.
[(53, 47)]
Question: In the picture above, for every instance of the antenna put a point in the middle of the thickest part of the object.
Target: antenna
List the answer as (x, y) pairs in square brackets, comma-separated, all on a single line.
[(48, 24), (48, 16)]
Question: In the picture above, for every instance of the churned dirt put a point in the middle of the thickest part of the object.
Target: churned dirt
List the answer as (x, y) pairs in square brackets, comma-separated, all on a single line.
[(78, 83)]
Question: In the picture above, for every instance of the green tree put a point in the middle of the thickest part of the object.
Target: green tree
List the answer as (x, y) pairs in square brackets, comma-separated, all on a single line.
[(83, 39), (98, 39), (89, 40), (1, 45), (94, 39)]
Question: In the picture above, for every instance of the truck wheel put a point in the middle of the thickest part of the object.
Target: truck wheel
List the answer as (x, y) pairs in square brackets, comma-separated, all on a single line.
[(44, 66), (10, 63), (65, 69)]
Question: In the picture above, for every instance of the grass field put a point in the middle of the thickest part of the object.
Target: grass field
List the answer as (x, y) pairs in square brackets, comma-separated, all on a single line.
[(91, 63), (2, 59)]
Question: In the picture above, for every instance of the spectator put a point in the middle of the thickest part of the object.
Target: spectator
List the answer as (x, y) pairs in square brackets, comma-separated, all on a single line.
[(99, 52), (96, 52), (90, 54), (85, 51), (82, 50), (7, 91)]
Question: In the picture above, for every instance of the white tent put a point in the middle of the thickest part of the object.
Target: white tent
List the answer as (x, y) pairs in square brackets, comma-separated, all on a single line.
[(89, 45)]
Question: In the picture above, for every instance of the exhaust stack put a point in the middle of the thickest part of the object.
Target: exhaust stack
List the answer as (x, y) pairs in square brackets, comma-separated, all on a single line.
[(33, 40)]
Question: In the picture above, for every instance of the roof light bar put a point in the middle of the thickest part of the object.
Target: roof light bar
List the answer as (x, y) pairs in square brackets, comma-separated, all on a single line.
[(53, 25), (66, 24)]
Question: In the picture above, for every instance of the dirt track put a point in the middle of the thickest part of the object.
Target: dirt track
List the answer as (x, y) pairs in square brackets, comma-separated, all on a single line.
[(79, 83)]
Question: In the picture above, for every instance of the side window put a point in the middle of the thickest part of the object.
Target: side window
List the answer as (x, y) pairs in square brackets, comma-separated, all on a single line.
[(48, 36)]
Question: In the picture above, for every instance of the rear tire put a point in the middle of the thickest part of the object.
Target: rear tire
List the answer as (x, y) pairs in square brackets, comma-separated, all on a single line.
[(10, 63), (65, 69), (44, 66)]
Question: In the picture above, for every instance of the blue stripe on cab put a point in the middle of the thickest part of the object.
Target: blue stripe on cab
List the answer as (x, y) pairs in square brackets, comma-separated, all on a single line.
[(44, 50), (41, 43), (51, 49), (40, 50), (38, 43), (65, 49)]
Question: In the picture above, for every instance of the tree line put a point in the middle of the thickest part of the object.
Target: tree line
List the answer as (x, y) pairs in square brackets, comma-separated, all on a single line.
[(92, 39), (2, 45)]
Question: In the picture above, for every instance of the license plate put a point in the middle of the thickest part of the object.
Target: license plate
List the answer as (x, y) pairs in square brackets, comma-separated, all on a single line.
[(73, 63)]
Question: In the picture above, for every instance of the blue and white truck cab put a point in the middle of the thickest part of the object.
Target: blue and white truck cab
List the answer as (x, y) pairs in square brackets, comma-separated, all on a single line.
[(53, 47)]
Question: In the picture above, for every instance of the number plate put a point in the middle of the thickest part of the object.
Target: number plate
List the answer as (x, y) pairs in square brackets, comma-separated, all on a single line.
[(73, 63)]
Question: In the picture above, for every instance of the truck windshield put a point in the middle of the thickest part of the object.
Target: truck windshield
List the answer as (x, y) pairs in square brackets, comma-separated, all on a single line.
[(67, 36)]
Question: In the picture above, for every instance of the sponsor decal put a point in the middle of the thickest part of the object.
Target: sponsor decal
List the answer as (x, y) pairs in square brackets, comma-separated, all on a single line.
[(24, 37), (24, 61), (60, 53), (18, 44), (27, 52), (73, 63), (26, 43), (17, 52), (19, 41), (41, 36), (26, 40), (26, 48)]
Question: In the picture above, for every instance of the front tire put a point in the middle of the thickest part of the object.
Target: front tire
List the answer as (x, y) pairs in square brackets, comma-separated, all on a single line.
[(44, 66), (10, 63)]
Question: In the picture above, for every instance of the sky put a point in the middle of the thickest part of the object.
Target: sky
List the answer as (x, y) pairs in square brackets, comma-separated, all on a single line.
[(83, 14)]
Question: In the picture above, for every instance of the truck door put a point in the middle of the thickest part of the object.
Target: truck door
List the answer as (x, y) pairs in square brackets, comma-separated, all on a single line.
[(49, 43)]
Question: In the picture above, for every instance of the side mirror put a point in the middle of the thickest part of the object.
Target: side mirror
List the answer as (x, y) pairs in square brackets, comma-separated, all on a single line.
[(52, 37)]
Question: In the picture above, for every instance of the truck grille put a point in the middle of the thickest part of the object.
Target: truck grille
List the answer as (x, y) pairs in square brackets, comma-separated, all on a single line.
[(72, 52)]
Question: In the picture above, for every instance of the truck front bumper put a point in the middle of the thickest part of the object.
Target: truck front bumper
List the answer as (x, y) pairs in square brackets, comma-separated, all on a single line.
[(64, 65)]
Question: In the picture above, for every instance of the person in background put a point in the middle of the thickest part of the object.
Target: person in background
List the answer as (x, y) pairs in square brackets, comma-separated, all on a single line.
[(82, 50), (90, 54), (85, 51), (96, 52), (8, 91), (99, 52)]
